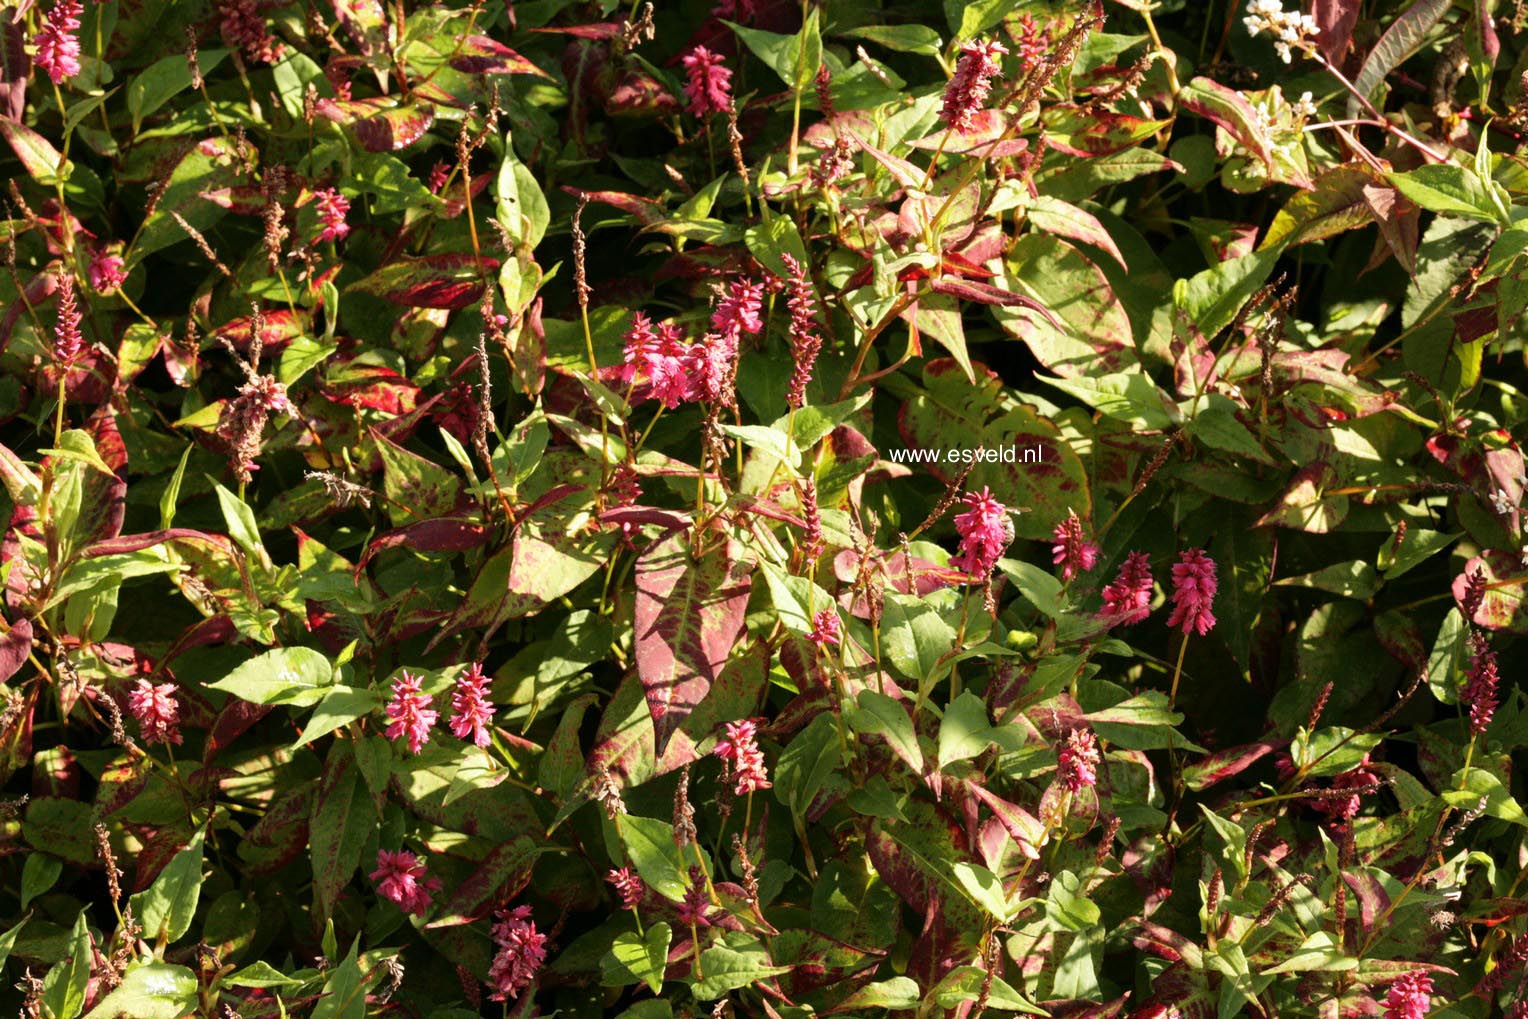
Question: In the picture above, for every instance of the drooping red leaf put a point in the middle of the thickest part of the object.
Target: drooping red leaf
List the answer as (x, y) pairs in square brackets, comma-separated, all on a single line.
[(687, 615), (500, 877), (15, 646), (478, 54), (450, 281), (379, 125)]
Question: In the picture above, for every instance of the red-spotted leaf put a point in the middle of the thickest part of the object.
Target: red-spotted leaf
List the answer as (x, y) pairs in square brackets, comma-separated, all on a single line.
[(378, 125), (478, 54), (1228, 763), (1093, 335), (688, 614), (278, 328), (343, 818), (449, 281), (645, 210), (500, 877), (1230, 110)]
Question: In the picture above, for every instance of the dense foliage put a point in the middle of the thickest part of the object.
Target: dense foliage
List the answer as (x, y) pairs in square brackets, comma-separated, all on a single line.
[(767, 508)]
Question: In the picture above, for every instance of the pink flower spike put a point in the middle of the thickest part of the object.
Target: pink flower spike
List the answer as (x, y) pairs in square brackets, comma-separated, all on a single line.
[(741, 752), (985, 534), (156, 711), (1480, 688), (1077, 761), (805, 343), (708, 84), (1410, 997), (1128, 599), (1194, 587), (739, 310), (67, 342), (825, 628), (403, 880), (58, 45), (410, 712), (696, 905), (522, 950), (107, 271), (1073, 552), (627, 885), (332, 208), (966, 93), (244, 29), (472, 711)]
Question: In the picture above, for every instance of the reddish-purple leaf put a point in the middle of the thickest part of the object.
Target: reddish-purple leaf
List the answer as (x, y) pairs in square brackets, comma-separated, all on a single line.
[(1023, 827), (343, 817), (441, 534), (1228, 763), (280, 326), (15, 645), (478, 54), (500, 877), (449, 281), (236, 718), (281, 835), (645, 210), (120, 783), (1334, 21), (378, 125), (688, 614)]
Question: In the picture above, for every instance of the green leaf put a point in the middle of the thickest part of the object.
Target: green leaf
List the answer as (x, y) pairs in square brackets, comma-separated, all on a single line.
[(965, 983), (261, 974), (1067, 906), (344, 995), (918, 39), (289, 675), (776, 235), (164, 79), (1447, 656), (965, 730), (795, 58), (38, 874), (985, 889), (650, 844), (896, 993), (341, 706), (877, 714), (635, 957), (150, 990), (243, 528), (1332, 751), (1318, 952), (63, 989), (8, 940), (1213, 298), (1450, 191), (1142, 722), (727, 969), (1466, 791), (806, 763), (914, 636), (303, 355), (522, 207), (166, 908), (1130, 397), (1354, 579)]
